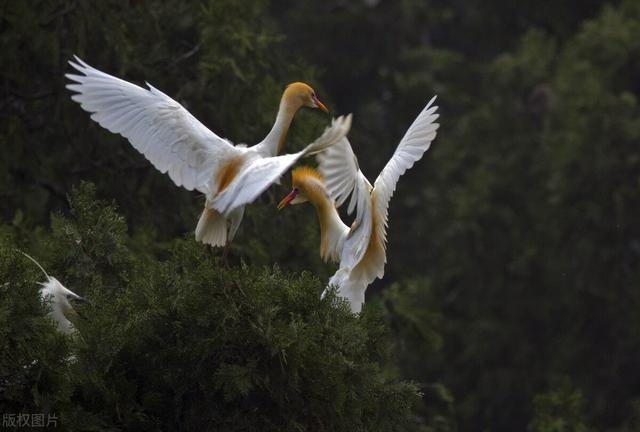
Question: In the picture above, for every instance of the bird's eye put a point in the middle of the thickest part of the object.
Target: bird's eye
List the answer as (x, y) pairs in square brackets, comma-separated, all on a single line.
[(313, 95), (69, 297)]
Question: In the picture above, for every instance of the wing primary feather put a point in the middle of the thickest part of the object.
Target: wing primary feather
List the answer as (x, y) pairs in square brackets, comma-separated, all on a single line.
[(155, 124)]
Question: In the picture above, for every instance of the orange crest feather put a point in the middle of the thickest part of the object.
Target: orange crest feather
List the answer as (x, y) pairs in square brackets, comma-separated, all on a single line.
[(301, 174)]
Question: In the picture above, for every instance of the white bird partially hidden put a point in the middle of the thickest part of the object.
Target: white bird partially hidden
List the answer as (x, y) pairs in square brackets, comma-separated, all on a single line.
[(194, 157), (360, 249), (59, 298)]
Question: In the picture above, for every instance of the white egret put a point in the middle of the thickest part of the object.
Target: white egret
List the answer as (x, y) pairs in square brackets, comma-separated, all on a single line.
[(194, 157), (360, 249), (59, 298)]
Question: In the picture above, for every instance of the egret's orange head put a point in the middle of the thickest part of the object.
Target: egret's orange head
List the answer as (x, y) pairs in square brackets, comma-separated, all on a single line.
[(299, 94), (307, 185)]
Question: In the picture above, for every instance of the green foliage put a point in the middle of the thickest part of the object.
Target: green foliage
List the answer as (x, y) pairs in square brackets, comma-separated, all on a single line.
[(33, 364), (412, 316), (186, 343), (536, 258), (559, 410), (90, 244)]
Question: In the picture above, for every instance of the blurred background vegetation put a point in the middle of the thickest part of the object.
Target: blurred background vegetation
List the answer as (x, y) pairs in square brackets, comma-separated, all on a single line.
[(512, 290)]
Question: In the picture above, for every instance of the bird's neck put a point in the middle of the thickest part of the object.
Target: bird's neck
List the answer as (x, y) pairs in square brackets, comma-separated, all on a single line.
[(275, 138), (332, 229)]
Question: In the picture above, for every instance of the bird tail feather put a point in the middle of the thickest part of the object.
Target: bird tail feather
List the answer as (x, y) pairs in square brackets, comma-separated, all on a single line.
[(212, 228), (348, 288)]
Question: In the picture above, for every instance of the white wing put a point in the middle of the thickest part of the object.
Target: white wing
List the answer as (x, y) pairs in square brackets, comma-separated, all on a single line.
[(357, 242), (338, 165), (255, 178), (160, 128), (415, 142), (260, 173), (364, 249)]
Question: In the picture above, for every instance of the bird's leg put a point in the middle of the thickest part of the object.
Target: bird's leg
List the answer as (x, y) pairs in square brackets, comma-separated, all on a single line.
[(225, 253)]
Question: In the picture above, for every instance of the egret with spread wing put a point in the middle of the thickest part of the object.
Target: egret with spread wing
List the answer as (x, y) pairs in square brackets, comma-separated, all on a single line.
[(194, 157), (361, 248)]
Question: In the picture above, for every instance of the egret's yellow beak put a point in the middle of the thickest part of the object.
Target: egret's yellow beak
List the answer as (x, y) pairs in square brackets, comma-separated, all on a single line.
[(320, 104), (286, 200)]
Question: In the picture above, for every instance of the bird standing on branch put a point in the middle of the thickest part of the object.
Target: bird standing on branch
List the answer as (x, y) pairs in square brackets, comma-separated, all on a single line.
[(361, 249), (59, 298), (176, 143)]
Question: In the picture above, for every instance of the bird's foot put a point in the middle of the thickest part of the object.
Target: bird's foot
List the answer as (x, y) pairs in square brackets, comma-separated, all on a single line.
[(225, 254)]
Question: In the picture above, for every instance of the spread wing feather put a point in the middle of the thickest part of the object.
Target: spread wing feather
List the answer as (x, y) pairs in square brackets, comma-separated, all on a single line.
[(172, 139), (413, 145), (338, 165), (365, 249)]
